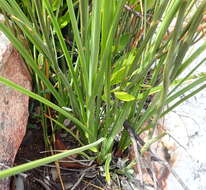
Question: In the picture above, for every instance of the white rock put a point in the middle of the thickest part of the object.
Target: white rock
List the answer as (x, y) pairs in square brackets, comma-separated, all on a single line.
[(187, 124)]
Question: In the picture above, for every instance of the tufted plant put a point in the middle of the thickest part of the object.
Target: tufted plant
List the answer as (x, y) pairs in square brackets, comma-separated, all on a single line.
[(101, 63)]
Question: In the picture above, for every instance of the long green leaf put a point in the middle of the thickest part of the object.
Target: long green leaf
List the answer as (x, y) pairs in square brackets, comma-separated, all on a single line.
[(44, 101), (33, 164)]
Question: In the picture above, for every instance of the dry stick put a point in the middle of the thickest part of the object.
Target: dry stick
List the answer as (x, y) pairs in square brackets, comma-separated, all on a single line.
[(150, 170), (140, 143), (156, 184), (42, 183), (155, 158), (81, 177), (138, 160), (133, 11), (49, 182), (79, 181), (136, 151), (91, 184), (136, 13)]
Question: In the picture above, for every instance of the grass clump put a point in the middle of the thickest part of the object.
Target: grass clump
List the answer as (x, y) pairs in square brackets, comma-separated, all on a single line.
[(101, 63)]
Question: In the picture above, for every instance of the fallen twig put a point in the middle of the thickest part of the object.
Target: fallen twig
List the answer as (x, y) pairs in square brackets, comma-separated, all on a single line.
[(137, 152)]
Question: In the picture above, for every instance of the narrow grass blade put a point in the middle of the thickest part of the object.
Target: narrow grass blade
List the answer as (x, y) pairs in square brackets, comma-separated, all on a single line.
[(44, 101), (43, 161)]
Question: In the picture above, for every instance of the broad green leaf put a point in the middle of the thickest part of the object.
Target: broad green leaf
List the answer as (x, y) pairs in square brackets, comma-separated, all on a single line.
[(124, 96)]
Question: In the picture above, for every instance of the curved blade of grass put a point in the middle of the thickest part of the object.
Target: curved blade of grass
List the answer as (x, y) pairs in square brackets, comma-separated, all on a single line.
[(43, 161), (44, 101)]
